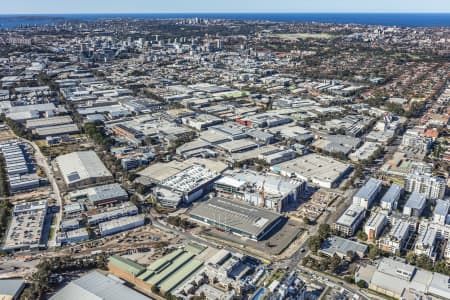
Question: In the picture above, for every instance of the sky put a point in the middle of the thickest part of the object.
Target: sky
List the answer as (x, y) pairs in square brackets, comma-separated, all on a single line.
[(220, 6)]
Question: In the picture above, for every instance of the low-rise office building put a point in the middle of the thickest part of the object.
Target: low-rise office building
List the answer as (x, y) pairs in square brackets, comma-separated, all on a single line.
[(396, 239), (390, 199), (340, 246), (375, 225), (415, 205), (368, 193), (440, 213), (425, 242), (349, 222)]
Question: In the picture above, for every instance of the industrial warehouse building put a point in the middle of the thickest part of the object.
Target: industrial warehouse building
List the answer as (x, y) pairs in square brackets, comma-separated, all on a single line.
[(126, 209), (82, 168), (236, 217), (57, 130), (121, 224), (185, 181), (397, 279), (165, 273), (95, 285), (321, 170), (52, 126), (46, 122), (101, 195), (19, 167)]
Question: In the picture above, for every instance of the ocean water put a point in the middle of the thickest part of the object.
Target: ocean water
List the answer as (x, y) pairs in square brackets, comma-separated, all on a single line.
[(386, 19)]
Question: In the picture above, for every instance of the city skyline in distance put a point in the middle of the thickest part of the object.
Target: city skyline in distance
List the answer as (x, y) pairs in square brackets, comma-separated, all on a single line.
[(230, 6)]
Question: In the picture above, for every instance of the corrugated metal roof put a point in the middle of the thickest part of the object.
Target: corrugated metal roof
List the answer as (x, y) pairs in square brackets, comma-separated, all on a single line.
[(165, 259), (81, 165), (126, 265), (175, 265), (11, 287), (180, 275), (96, 286)]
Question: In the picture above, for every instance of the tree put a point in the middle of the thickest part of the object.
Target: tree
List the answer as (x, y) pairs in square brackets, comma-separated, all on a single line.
[(324, 264), (361, 235), (314, 243), (306, 220), (350, 255), (335, 263), (374, 252), (174, 220), (362, 284), (441, 266), (324, 231), (425, 262), (96, 130), (134, 199), (411, 258), (349, 279)]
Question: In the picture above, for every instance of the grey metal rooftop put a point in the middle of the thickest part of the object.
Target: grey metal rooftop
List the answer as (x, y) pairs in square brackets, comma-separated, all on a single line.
[(442, 207), (349, 217), (368, 188), (77, 166), (416, 201), (336, 244), (238, 215), (392, 193), (96, 286)]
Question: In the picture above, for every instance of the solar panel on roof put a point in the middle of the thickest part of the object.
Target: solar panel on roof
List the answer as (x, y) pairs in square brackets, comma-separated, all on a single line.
[(73, 176)]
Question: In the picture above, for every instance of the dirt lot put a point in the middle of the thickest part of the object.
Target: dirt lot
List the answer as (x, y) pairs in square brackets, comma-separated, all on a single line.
[(6, 135), (145, 237), (40, 193)]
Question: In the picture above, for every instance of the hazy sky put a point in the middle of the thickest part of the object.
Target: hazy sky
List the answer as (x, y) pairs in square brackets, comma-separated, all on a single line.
[(157, 6)]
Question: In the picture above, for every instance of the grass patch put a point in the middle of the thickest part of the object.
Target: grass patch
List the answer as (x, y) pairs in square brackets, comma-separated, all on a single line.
[(52, 233), (54, 219)]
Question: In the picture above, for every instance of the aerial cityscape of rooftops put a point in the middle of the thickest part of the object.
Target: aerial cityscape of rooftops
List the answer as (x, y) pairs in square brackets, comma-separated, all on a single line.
[(215, 158)]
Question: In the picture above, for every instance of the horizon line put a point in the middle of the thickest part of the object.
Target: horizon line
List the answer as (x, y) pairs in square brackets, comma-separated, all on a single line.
[(217, 12)]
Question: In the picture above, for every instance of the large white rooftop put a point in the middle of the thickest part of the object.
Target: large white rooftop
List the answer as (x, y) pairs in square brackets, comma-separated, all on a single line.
[(78, 166)]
